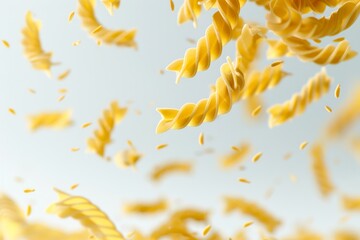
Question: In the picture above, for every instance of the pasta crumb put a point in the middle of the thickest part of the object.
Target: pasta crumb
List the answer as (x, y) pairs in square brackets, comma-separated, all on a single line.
[(337, 91), (63, 75), (85, 125), (74, 186), (257, 157), (71, 16), (244, 180), (328, 109), (201, 139), (74, 149), (161, 146), (274, 64), (172, 5), (339, 39), (29, 190), (248, 224), (303, 145), (206, 230), (256, 111), (32, 91), (97, 29), (28, 210), (12, 111), (61, 98), (76, 43), (5, 43)]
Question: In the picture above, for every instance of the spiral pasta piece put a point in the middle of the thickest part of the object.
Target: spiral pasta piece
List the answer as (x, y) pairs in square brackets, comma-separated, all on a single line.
[(39, 59), (55, 120), (277, 49), (317, 6), (316, 87), (351, 203), (320, 171), (12, 220), (111, 5), (36, 231), (168, 168), (125, 38), (209, 47), (102, 136), (146, 208), (89, 215), (252, 209), (286, 21), (328, 55), (189, 11), (264, 3), (235, 157)]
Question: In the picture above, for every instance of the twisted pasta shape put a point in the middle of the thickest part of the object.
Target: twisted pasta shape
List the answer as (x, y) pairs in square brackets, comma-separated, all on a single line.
[(209, 47), (39, 59), (37, 231), (312, 91), (56, 120), (110, 5), (318, 6), (235, 157), (264, 3), (320, 171), (145, 208), (189, 11), (346, 117), (125, 38), (102, 136), (286, 21), (277, 49), (172, 167), (323, 56), (89, 215), (252, 209), (351, 203)]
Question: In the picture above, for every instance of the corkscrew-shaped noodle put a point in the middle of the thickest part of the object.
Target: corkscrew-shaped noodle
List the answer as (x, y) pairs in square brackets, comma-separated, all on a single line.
[(320, 170), (264, 3), (56, 120), (317, 6), (168, 168), (33, 51), (89, 215), (146, 208), (102, 136), (286, 21), (277, 49), (252, 209), (12, 220), (87, 16), (111, 5), (312, 91), (209, 47), (323, 56), (189, 11)]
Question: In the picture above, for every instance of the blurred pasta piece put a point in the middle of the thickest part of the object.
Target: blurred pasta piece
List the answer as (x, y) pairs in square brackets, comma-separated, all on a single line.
[(146, 208), (169, 168), (53, 120), (236, 156)]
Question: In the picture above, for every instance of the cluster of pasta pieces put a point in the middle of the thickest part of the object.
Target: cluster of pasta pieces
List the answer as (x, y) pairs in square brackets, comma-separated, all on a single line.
[(290, 32)]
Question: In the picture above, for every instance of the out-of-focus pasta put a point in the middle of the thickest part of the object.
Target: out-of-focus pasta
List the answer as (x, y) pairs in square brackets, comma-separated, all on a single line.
[(146, 207), (55, 120), (111, 5), (236, 156), (170, 168)]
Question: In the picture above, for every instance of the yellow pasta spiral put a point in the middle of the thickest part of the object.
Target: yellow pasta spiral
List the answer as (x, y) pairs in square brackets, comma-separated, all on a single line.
[(33, 51), (318, 6), (328, 55), (254, 210), (313, 90), (189, 11), (286, 21), (209, 47), (55, 120), (110, 5), (277, 48), (206, 110), (89, 215), (102, 136), (320, 171), (125, 38)]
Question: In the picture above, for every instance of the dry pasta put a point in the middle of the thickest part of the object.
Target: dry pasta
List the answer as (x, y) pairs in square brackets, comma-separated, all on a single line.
[(125, 38), (235, 157), (209, 47), (39, 59), (107, 122), (320, 170), (55, 120), (146, 208), (252, 209), (351, 203), (170, 168), (189, 11), (111, 5), (316, 87), (89, 215)]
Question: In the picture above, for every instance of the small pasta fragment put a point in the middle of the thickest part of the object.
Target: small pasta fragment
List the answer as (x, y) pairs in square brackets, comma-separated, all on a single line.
[(29, 190), (270, 222), (337, 91), (28, 210), (303, 145), (328, 109), (244, 180), (320, 171), (248, 224), (74, 186), (89, 215), (62, 97), (170, 168), (54, 120), (146, 208), (74, 149), (172, 5), (161, 146), (85, 125), (5, 43), (316, 87), (201, 139), (71, 16), (235, 157), (256, 157), (111, 5), (206, 230), (64, 75), (102, 136), (256, 111), (76, 43), (12, 111)]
